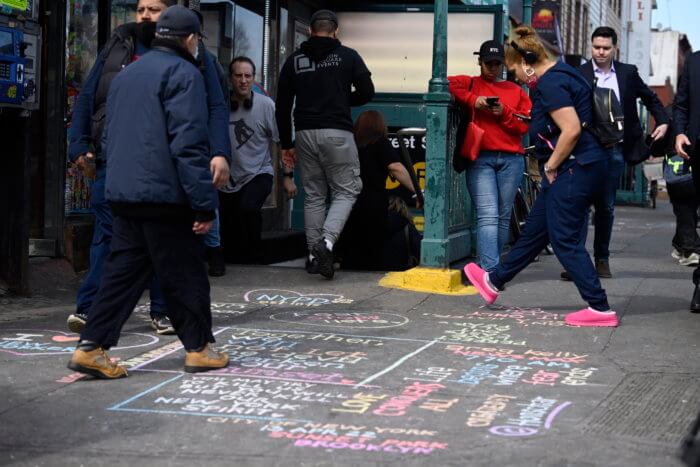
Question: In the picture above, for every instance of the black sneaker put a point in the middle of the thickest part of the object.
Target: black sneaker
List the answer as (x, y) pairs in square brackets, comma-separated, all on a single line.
[(325, 259), (76, 322), (312, 265), (162, 325)]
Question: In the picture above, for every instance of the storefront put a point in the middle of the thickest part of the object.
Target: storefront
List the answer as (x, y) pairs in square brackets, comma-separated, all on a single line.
[(265, 31)]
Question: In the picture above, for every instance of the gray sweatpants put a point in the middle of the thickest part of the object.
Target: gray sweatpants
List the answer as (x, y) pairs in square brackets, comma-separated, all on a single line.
[(328, 159)]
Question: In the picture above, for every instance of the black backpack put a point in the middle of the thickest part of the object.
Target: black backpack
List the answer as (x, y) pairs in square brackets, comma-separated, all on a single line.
[(608, 118)]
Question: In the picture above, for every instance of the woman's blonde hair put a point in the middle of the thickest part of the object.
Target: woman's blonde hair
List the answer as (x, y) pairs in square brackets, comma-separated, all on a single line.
[(526, 39)]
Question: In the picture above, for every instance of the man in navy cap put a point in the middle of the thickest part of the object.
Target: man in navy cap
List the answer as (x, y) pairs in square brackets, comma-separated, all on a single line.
[(159, 186), (321, 75)]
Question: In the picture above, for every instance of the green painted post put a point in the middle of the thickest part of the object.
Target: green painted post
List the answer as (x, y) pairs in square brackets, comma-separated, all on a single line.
[(527, 12), (435, 245)]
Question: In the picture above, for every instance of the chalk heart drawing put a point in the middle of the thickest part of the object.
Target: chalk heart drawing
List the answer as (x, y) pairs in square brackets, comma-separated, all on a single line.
[(350, 319), (33, 342)]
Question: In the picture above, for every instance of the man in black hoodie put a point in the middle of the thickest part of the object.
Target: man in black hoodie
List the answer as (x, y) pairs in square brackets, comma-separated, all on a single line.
[(321, 75)]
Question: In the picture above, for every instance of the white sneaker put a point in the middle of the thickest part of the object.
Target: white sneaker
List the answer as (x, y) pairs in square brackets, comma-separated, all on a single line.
[(675, 254), (692, 260)]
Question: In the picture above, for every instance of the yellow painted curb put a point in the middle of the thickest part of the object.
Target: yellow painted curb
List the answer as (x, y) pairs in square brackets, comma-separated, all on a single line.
[(430, 280)]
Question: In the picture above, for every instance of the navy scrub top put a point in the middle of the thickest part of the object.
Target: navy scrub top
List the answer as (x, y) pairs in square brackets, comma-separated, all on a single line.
[(563, 86)]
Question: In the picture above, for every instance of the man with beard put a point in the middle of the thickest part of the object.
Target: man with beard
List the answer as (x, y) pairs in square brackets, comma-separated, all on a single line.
[(321, 75), (129, 42)]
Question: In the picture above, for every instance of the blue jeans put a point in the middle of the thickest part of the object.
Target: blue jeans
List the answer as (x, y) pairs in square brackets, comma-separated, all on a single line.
[(99, 249), (212, 239), (604, 205), (560, 216), (493, 180)]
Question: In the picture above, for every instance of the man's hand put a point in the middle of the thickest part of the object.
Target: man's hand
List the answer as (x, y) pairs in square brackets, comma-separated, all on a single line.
[(200, 228), (289, 158), (86, 164), (289, 187), (219, 170), (681, 141), (659, 132)]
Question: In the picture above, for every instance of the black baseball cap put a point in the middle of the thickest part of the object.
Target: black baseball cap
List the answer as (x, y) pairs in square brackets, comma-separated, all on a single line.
[(178, 20), (491, 51), (324, 15)]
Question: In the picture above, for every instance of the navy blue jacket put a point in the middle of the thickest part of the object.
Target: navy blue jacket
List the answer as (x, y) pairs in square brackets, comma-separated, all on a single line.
[(80, 135), (686, 106), (156, 138), (632, 87)]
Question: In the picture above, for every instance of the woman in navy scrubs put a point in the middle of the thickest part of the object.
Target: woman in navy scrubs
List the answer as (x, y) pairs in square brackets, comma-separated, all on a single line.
[(574, 168)]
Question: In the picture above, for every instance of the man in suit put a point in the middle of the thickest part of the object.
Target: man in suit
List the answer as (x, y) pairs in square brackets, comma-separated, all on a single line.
[(625, 81), (686, 126)]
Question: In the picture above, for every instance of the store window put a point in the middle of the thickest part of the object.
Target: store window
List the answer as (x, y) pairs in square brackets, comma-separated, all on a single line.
[(81, 50)]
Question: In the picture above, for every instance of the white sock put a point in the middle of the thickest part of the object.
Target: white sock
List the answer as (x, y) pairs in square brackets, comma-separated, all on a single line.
[(489, 284), (329, 244), (311, 257), (609, 312)]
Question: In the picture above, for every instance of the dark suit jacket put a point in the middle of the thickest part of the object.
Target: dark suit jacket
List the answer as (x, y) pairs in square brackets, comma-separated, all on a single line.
[(632, 87), (686, 105)]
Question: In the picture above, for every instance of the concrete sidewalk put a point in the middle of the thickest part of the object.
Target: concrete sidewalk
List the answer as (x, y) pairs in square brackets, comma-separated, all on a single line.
[(345, 372)]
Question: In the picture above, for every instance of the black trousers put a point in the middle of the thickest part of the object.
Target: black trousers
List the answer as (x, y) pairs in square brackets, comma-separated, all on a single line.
[(139, 248), (240, 220), (682, 196), (695, 166)]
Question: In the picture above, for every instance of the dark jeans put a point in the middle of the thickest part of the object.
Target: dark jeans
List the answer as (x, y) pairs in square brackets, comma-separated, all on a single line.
[(240, 219), (560, 217), (682, 196), (99, 249), (140, 248), (604, 205)]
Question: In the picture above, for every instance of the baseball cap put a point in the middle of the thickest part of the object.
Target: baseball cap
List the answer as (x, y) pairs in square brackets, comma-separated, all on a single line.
[(324, 15), (178, 21), (491, 51)]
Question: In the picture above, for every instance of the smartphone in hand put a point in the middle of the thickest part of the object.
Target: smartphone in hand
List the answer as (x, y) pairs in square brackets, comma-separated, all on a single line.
[(492, 101)]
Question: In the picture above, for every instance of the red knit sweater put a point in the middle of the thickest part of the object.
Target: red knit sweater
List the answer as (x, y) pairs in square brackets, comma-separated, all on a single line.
[(503, 133)]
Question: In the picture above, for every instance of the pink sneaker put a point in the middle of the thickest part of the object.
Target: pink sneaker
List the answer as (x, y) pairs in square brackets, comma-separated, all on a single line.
[(592, 318), (477, 277)]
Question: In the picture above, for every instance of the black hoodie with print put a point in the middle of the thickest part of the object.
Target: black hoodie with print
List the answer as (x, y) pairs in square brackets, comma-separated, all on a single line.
[(321, 75)]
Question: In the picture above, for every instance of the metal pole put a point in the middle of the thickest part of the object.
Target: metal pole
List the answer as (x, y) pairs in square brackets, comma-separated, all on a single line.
[(438, 82), (266, 46), (527, 12)]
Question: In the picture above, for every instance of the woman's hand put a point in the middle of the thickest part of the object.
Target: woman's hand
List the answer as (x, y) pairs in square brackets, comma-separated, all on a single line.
[(551, 176), (480, 103)]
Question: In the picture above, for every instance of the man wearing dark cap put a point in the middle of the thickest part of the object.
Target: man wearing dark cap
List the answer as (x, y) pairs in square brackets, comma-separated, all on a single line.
[(159, 186), (321, 76)]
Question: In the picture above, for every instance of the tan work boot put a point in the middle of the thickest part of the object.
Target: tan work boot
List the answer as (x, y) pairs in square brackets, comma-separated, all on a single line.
[(205, 360), (96, 363)]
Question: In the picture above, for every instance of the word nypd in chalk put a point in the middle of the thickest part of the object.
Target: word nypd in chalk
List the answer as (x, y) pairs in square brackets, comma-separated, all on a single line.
[(293, 298)]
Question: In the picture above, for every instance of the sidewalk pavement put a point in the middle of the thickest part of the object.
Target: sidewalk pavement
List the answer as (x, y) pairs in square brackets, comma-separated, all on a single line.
[(345, 372)]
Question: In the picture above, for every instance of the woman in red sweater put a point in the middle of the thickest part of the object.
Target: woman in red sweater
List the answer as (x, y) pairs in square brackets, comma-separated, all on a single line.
[(502, 110)]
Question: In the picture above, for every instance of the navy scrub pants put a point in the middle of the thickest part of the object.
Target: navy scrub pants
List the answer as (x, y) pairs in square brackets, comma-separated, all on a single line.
[(141, 247), (560, 217)]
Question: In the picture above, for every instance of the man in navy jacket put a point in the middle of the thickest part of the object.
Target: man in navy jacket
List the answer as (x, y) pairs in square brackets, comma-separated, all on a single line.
[(625, 81), (127, 43), (159, 186), (686, 126)]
